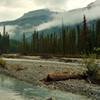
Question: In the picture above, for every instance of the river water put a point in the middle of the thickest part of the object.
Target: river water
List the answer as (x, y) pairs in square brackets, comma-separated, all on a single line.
[(12, 89)]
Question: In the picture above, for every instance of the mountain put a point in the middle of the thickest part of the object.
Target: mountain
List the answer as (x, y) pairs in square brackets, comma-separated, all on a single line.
[(32, 18), (45, 19)]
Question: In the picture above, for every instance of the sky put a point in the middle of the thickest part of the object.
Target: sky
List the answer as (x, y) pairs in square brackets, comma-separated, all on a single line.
[(12, 9)]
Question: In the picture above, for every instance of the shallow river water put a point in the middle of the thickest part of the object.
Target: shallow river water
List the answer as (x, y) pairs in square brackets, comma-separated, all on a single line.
[(12, 89)]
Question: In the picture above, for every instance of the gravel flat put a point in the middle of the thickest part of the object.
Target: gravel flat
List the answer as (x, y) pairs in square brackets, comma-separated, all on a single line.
[(33, 71)]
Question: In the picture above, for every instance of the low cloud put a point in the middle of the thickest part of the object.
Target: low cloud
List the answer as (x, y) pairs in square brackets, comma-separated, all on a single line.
[(10, 29)]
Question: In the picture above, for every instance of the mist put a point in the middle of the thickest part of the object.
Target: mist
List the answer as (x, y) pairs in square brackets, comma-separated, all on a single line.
[(66, 17), (73, 17), (10, 29)]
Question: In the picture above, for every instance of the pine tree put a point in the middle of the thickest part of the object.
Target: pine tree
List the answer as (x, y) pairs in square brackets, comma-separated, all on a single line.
[(24, 45), (63, 39), (98, 33), (0, 43), (84, 37)]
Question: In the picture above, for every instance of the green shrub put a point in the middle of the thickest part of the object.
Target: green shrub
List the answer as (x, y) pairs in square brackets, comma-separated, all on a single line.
[(89, 61), (2, 63), (97, 51)]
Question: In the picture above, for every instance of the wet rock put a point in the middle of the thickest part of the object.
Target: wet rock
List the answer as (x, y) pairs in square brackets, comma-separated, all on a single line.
[(51, 98), (97, 76)]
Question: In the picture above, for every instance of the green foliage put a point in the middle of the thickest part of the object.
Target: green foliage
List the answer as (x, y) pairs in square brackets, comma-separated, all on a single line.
[(4, 42), (2, 63), (69, 41), (97, 51), (89, 61)]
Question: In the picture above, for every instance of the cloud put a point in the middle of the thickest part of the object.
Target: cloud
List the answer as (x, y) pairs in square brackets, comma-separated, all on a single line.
[(10, 29), (64, 4), (12, 9), (72, 17), (78, 4), (55, 4)]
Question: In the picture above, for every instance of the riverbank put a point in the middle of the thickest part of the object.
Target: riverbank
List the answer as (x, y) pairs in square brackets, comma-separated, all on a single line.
[(33, 71), (14, 89)]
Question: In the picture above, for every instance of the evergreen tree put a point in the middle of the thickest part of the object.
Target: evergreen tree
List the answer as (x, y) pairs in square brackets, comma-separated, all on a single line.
[(84, 37), (25, 47), (63, 40), (98, 33)]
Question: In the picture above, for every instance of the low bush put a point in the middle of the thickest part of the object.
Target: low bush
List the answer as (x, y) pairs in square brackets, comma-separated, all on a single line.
[(97, 51), (89, 61), (45, 56), (2, 63)]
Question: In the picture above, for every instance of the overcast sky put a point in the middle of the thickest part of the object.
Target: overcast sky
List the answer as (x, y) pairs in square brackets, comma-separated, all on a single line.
[(12, 9)]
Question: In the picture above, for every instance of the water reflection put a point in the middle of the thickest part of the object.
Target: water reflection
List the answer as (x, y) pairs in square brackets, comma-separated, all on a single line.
[(12, 89)]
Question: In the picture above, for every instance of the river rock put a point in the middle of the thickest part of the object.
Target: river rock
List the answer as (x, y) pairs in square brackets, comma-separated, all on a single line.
[(97, 76), (51, 98)]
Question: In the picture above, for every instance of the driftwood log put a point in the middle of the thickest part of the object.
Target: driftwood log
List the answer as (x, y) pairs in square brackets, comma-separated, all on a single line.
[(58, 76)]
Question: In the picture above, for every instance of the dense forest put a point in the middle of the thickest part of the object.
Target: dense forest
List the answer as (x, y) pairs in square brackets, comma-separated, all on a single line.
[(4, 42), (83, 38)]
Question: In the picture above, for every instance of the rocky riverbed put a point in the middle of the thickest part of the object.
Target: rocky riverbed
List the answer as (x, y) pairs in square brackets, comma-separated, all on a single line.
[(33, 71)]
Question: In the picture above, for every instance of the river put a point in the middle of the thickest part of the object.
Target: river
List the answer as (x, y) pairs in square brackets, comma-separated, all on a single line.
[(12, 89)]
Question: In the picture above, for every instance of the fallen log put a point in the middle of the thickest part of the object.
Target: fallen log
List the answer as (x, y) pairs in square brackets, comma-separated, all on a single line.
[(58, 76)]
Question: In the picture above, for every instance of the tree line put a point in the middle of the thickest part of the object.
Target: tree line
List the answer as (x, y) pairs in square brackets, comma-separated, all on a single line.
[(4, 42), (83, 38)]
